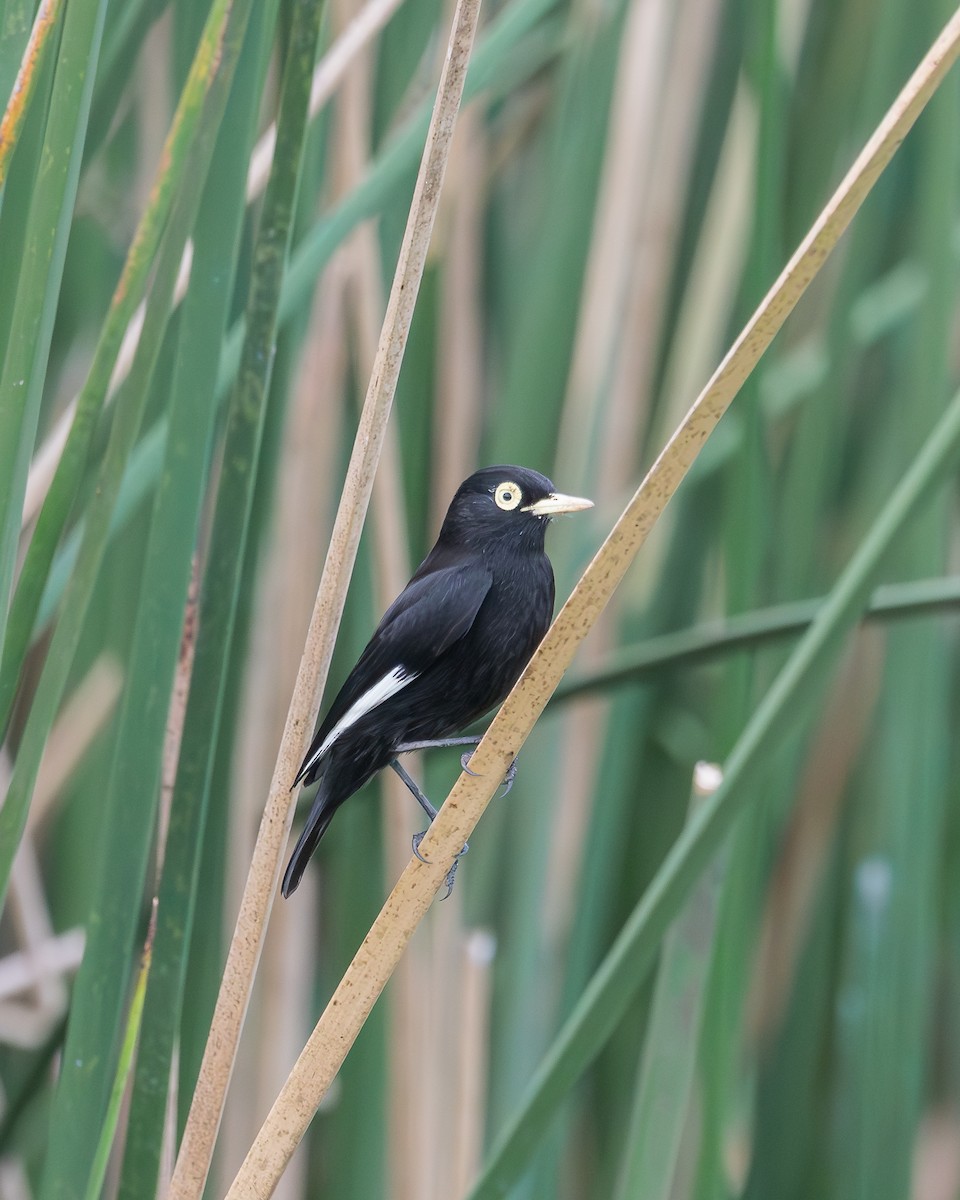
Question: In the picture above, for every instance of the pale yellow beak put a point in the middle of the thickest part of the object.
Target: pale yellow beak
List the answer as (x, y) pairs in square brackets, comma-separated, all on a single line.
[(556, 503)]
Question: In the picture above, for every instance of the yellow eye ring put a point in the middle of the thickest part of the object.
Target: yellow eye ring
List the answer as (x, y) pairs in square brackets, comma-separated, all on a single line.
[(507, 495)]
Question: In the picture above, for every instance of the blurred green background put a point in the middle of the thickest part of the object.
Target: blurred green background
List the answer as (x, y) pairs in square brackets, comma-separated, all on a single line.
[(628, 179)]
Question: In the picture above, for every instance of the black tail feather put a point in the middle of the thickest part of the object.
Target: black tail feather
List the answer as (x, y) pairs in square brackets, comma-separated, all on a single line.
[(345, 768), (321, 814)]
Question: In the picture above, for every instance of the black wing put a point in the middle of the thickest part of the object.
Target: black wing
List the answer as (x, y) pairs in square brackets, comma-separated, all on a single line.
[(432, 612)]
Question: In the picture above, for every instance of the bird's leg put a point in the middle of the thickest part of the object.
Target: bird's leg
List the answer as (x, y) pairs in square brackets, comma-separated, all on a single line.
[(431, 814), (438, 744), (412, 785)]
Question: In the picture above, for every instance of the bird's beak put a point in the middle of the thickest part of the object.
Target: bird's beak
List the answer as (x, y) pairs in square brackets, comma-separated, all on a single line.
[(555, 503)]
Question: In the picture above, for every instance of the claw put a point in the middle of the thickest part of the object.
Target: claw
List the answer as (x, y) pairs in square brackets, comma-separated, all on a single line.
[(415, 843), (509, 778), (450, 880), (452, 873), (464, 759)]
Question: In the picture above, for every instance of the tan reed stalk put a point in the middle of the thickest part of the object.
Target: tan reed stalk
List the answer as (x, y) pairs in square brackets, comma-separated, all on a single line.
[(196, 1149), (85, 714), (835, 748), (287, 589), (623, 199), (364, 300), (473, 1055), (460, 367), (668, 168), (645, 170), (458, 417)]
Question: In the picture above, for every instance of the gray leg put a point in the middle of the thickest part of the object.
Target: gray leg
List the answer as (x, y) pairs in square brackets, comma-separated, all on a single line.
[(438, 744), (412, 785), (431, 814)]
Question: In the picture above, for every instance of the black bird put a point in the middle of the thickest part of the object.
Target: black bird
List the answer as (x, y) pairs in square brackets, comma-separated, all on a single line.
[(449, 648)]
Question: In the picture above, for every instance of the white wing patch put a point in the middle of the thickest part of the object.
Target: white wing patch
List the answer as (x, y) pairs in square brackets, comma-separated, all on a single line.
[(388, 686)]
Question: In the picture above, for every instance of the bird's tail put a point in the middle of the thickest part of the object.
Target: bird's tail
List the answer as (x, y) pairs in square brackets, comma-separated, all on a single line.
[(321, 814)]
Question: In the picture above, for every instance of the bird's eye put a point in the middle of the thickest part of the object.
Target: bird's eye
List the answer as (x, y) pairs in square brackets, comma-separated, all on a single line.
[(507, 496)]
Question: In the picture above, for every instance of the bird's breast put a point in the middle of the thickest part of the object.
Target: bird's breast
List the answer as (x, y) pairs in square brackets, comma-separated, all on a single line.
[(509, 626)]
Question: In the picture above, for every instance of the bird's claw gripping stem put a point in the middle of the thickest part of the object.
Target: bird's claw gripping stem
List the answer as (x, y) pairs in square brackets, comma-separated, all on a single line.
[(507, 779), (451, 878), (428, 807), (451, 874)]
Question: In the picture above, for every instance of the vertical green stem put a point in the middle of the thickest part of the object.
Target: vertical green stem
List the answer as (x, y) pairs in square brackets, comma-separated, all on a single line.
[(38, 287)]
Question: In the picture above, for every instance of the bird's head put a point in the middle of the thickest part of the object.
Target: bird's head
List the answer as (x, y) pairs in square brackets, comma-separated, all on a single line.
[(505, 505)]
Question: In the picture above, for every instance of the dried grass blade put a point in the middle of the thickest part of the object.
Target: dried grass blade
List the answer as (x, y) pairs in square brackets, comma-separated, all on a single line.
[(207, 1106)]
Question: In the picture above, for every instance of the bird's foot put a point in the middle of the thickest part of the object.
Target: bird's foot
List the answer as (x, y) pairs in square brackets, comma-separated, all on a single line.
[(452, 873), (451, 878), (438, 743), (507, 779)]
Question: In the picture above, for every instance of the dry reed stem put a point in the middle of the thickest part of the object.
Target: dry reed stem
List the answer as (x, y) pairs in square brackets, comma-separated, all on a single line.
[(406, 905), (847, 712), (284, 1010), (83, 717), (657, 235), (590, 466), (29, 914), (435, 1061), (205, 1111), (43, 960), (626, 179), (287, 590), (349, 45), (364, 301), (426, 1009), (283, 998), (23, 970), (473, 1055), (458, 420), (712, 286), (628, 366), (26, 1022)]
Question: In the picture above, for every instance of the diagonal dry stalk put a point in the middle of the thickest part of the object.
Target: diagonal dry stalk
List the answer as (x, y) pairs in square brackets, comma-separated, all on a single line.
[(206, 1108), (406, 905)]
